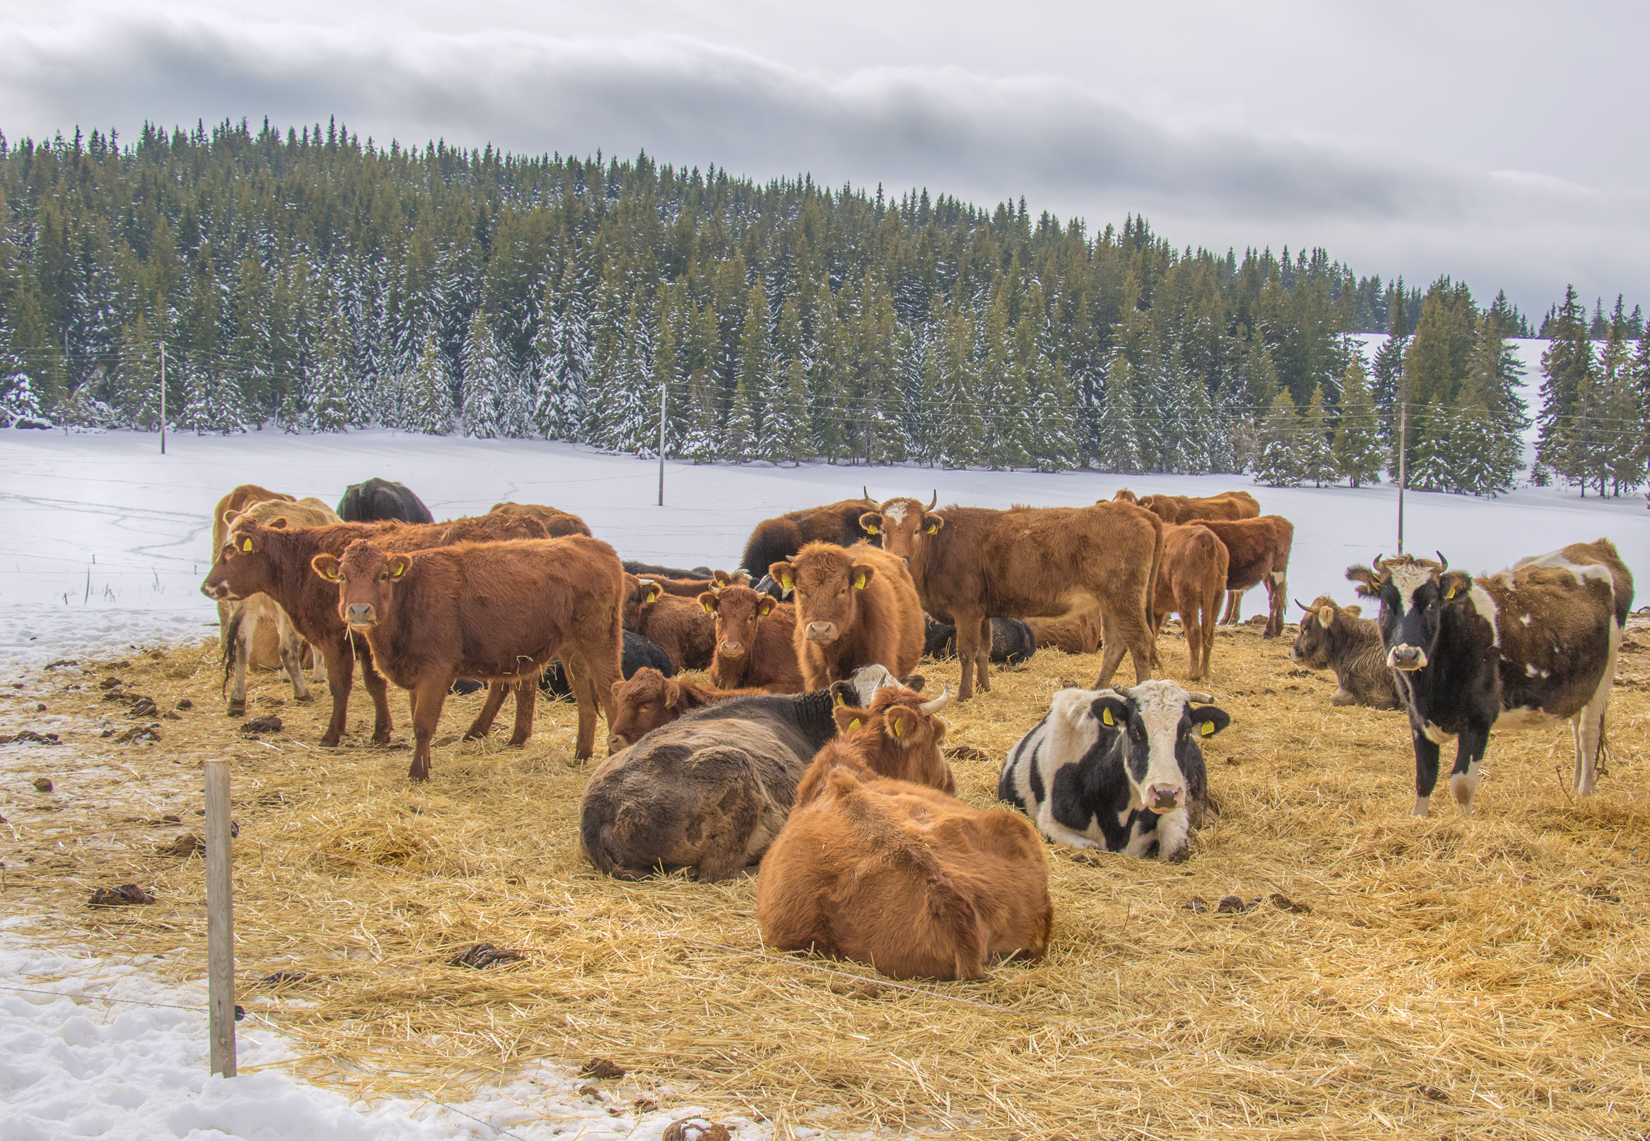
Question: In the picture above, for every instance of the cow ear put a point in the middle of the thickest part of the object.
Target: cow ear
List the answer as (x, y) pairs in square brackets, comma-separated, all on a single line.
[(1208, 720), (277, 524), (1355, 610), (900, 721), (765, 607), (709, 601), (1112, 711), (931, 524), (618, 685), (1454, 584), (871, 523), (326, 566), (673, 693), (849, 718), (861, 574), (784, 574), (1326, 615), (229, 518), (399, 565), (1368, 581), (840, 691), (718, 579), (651, 592)]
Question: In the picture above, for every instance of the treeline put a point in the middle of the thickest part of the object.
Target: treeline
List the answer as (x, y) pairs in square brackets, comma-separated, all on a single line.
[(319, 283)]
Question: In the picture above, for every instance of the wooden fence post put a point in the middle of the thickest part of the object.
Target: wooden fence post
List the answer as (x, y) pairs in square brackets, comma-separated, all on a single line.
[(220, 921)]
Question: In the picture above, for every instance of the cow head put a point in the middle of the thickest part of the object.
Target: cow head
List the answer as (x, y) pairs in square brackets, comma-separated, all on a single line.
[(903, 524), (737, 610), (1124, 495), (900, 735), (827, 581), (242, 568), (366, 578), (1311, 648), (720, 579), (638, 592), (1414, 593), (1162, 506), (1157, 725), (643, 703)]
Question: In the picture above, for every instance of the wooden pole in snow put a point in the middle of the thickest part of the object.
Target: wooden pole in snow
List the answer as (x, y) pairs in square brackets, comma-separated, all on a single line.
[(661, 441), (220, 922), (163, 398)]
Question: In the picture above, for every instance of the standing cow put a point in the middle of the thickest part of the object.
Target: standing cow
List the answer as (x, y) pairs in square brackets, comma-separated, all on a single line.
[(1192, 581), (1525, 647), (1257, 552), (855, 606), (969, 563), (381, 500)]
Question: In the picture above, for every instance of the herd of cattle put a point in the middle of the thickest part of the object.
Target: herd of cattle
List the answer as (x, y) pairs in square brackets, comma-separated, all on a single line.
[(813, 750)]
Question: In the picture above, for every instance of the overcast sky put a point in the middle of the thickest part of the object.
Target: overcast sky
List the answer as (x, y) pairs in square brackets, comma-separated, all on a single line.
[(1500, 143)]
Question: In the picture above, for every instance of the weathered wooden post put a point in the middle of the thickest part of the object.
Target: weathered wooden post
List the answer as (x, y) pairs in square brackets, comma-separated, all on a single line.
[(220, 922)]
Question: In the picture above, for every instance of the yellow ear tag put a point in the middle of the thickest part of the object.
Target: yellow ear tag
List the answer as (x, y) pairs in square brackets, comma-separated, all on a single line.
[(859, 581), (1449, 594), (895, 726), (246, 544), (788, 582), (854, 724), (836, 699), (873, 530), (1105, 716), (1208, 728), (709, 609), (932, 529)]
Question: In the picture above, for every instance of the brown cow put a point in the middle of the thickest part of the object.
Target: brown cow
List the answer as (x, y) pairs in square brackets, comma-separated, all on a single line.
[(754, 641), (899, 737), (682, 626), (694, 587), (1258, 552), (266, 653), (781, 538), (970, 563), (496, 611), (557, 523), (648, 699), (1190, 508), (855, 606), (1192, 581), (901, 877), (1078, 634), (274, 559)]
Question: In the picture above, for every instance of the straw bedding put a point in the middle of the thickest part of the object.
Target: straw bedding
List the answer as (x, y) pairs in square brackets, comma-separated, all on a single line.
[(1482, 978)]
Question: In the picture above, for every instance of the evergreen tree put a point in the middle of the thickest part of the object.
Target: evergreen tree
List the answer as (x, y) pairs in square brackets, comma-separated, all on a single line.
[(1118, 448), (755, 370), (1566, 364), (487, 383), (1278, 462), (211, 402), (429, 398), (329, 406), (1313, 453), (1356, 450), (1429, 454)]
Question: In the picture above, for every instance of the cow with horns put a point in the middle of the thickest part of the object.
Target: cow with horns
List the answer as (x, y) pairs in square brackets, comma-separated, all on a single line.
[(1525, 647)]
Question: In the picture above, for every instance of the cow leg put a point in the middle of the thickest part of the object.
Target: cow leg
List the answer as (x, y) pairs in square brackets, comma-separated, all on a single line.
[(1127, 630), (1209, 610), (1469, 754), (292, 656), (1276, 601), (527, 692), (240, 650), (1194, 640), (427, 701), (968, 649), (1234, 608), (483, 724), (1589, 723), (1426, 770), (340, 677), (1111, 649), (985, 654), (581, 680), (318, 671), (379, 690)]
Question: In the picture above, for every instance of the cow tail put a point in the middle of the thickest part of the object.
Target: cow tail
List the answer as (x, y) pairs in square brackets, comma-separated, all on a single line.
[(231, 636), (1151, 583)]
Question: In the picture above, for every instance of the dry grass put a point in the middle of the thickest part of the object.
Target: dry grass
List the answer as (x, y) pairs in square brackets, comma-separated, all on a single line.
[(1480, 978)]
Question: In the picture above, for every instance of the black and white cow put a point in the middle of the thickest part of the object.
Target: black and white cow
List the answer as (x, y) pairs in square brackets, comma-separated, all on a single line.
[(1526, 647), (1118, 769)]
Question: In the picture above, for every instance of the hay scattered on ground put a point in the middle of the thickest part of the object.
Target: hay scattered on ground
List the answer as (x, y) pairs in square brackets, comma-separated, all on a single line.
[(1480, 978)]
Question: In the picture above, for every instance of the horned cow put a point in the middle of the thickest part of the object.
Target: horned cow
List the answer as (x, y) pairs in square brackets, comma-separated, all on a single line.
[(1340, 639)]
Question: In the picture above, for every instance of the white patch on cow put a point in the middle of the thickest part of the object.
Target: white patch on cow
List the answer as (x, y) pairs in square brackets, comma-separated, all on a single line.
[(1523, 717), (1423, 807), (868, 679), (1582, 571), (1172, 830), (1278, 578), (1465, 786), (1588, 725), (1064, 738), (1437, 735), (894, 513), (1525, 618), (1485, 605), (1161, 704), (1409, 579)]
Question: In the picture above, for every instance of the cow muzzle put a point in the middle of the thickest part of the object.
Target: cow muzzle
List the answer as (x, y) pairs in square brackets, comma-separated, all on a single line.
[(1406, 657), (733, 649), (822, 632), (360, 615), (1161, 798), (616, 742), (219, 592)]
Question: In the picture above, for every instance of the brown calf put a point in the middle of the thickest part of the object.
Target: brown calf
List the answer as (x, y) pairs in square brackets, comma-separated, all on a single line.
[(970, 563), (855, 606), (1192, 581), (496, 611), (1257, 552), (899, 737), (274, 558), (1078, 634), (648, 699), (265, 655), (682, 626), (901, 877), (754, 641)]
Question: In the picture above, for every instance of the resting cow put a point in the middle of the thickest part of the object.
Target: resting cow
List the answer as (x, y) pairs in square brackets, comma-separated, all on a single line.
[(557, 523), (638, 653), (855, 606), (754, 641), (650, 698), (496, 611), (1116, 769), (899, 736), (1078, 634), (970, 562), (680, 625), (1337, 638), (1012, 641), (382, 500), (775, 540), (1192, 581), (1528, 646)]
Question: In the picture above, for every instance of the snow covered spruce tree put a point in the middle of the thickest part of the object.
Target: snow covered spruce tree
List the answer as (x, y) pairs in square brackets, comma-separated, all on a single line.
[(1357, 447), (1278, 461), (428, 406)]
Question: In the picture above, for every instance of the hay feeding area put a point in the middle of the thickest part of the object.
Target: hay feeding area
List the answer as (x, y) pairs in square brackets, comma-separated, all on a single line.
[(1378, 975)]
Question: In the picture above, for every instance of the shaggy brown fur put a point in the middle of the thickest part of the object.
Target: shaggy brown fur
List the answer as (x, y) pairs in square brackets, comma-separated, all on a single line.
[(1192, 582), (897, 737), (557, 523), (648, 699), (1337, 638), (754, 640), (694, 587), (1191, 508), (855, 606)]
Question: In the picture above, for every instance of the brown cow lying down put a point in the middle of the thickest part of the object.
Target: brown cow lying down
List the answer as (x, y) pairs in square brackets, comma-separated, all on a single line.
[(1338, 638), (557, 523), (754, 640), (855, 606), (899, 736), (1078, 634), (495, 611), (275, 559), (902, 877), (1192, 582), (648, 699), (709, 791), (681, 625)]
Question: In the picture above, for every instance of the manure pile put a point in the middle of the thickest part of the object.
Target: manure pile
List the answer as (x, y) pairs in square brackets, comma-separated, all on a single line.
[(1379, 976)]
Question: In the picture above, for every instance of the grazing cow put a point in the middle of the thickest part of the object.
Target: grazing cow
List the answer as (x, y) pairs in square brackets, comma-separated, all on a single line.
[(775, 540), (1116, 769), (899, 736), (968, 562), (258, 612), (1078, 634), (638, 653), (901, 877), (651, 698), (1525, 647), (855, 606), (1338, 639), (681, 625), (1257, 552), (275, 559), (382, 500), (1192, 582), (557, 523), (1191, 508), (496, 611), (1011, 640), (754, 641)]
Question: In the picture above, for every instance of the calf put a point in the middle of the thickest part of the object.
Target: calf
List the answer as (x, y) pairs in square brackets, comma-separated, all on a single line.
[(382, 500), (496, 611), (1116, 769), (228, 507), (855, 606), (650, 698), (1077, 634), (899, 736), (682, 626), (1192, 580), (1011, 640), (638, 653), (1257, 552), (1339, 639), (901, 877), (1526, 647), (754, 641), (557, 523)]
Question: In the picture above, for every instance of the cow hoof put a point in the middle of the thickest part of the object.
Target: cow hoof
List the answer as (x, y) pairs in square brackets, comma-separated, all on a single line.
[(330, 741), (236, 708), (304, 698), (473, 736), (381, 738), (518, 740)]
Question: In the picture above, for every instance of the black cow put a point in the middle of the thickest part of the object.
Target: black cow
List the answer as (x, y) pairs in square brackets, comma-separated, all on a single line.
[(1118, 769), (1011, 640), (638, 652), (776, 540), (648, 570), (381, 499), (1526, 647)]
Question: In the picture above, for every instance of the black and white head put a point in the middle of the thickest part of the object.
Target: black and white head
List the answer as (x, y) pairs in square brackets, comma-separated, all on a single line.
[(1413, 594), (1159, 725)]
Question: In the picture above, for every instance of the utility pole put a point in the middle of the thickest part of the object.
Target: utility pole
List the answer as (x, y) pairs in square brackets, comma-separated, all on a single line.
[(1403, 457), (662, 391), (163, 398)]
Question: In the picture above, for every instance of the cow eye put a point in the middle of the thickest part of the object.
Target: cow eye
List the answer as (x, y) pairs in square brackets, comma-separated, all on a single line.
[(384, 576)]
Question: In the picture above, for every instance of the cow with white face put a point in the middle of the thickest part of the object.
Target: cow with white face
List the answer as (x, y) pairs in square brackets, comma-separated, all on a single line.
[(1119, 769), (1526, 647)]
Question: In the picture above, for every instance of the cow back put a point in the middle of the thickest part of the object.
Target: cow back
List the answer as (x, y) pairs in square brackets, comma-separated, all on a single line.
[(557, 523), (379, 500)]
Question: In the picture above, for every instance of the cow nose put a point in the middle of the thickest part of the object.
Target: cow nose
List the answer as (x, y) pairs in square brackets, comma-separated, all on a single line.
[(1405, 658), (1163, 798), (615, 743), (821, 631), (1294, 654), (212, 591), (733, 649), (360, 614)]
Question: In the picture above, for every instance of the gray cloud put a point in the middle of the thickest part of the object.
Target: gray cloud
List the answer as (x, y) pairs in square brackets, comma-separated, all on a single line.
[(983, 138)]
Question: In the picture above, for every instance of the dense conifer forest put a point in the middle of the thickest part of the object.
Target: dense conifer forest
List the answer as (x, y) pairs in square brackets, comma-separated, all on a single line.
[(311, 281)]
